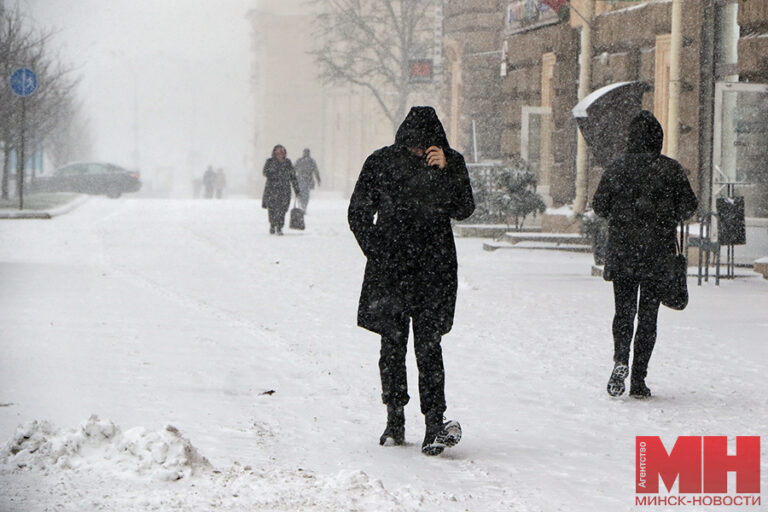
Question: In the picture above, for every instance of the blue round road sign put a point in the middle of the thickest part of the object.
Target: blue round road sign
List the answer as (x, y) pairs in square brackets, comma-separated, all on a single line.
[(23, 82)]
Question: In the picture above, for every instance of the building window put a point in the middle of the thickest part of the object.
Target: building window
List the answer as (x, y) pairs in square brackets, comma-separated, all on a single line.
[(536, 145), (740, 157)]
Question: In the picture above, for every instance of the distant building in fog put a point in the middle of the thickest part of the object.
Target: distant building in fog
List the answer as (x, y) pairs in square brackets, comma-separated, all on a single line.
[(292, 107)]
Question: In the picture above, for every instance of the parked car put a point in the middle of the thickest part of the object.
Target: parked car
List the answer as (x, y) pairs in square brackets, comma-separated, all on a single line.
[(91, 178)]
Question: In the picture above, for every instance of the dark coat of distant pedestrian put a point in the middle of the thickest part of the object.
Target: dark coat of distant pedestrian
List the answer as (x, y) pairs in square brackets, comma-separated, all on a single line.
[(307, 173), (277, 191)]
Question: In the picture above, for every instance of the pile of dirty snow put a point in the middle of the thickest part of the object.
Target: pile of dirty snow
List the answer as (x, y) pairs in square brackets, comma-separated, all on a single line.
[(98, 467), (96, 443)]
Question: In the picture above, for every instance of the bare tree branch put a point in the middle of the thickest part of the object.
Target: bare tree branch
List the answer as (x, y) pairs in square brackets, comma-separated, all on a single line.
[(50, 107), (369, 44)]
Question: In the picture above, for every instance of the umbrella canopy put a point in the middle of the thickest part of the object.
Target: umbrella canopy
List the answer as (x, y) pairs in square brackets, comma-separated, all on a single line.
[(604, 115)]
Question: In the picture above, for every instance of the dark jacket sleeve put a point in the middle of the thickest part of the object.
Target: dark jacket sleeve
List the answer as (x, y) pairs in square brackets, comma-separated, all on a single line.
[(459, 201), (269, 169), (363, 206), (686, 202), (602, 201)]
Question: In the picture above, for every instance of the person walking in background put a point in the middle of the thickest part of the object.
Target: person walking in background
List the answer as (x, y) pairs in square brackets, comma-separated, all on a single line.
[(277, 191), (306, 172), (209, 182), (400, 213), (220, 183), (644, 195)]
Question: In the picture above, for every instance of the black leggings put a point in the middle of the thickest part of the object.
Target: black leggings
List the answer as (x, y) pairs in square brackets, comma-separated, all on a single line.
[(429, 359), (625, 291)]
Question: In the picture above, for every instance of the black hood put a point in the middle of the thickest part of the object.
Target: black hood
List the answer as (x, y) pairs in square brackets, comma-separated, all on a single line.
[(645, 134), (421, 129)]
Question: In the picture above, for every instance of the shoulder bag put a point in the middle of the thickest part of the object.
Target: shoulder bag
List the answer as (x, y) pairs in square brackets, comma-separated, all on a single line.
[(674, 292)]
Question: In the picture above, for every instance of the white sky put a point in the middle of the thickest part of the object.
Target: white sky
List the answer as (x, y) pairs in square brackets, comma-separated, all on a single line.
[(185, 62)]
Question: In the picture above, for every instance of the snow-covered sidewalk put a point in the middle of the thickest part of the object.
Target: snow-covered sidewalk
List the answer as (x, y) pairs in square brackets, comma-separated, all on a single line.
[(172, 355)]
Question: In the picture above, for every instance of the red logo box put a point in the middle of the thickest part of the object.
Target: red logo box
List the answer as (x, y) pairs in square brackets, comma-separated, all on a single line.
[(700, 464)]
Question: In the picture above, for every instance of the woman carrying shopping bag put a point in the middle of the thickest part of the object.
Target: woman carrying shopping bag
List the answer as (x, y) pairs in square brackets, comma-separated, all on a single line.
[(277, 191)]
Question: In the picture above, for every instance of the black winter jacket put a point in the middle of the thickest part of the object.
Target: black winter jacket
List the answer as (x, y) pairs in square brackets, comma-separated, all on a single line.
[(400, 213), (643, 194)]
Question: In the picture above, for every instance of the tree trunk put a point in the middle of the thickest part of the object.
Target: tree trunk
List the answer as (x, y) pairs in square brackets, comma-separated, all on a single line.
[(6, 162)]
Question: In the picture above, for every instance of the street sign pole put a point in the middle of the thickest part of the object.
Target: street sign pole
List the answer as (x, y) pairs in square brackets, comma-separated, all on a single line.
[(20, 161), (23, 84)]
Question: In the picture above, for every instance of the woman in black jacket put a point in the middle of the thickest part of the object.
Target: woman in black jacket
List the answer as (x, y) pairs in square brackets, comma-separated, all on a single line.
[(400, 213), (644, 195), (277, 191)]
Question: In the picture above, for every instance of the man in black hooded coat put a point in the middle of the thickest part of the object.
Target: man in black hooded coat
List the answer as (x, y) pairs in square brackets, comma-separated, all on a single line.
[(400, 213), (644, 195)]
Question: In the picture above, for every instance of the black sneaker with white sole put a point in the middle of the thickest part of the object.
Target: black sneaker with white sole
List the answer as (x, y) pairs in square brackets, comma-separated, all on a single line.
[(616, 384), (448, 435)]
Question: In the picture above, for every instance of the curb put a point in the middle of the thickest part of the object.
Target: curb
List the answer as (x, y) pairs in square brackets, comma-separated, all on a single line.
[(43, 214), (745, 272)]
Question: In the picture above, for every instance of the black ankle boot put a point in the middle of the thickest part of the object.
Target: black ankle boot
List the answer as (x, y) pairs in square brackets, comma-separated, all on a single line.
[(395, 430), (638, 389)]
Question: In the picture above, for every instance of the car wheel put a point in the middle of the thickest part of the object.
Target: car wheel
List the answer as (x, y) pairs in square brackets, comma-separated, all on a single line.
[(114, 192)]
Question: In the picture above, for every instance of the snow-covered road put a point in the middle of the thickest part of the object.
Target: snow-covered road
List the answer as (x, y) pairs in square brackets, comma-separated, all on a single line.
[(150, 313)]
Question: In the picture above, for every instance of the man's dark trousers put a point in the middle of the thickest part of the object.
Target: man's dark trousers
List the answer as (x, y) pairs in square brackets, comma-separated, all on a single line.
[(429, 359)]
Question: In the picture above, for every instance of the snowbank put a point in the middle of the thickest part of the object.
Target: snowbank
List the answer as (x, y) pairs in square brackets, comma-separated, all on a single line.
[(100, 444), (98, 466)]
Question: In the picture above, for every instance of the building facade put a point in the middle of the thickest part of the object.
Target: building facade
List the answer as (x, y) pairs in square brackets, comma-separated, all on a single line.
[(524, 62)]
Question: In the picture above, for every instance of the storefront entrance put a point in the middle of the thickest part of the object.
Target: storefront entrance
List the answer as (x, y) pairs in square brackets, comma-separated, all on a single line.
[(740, 159)]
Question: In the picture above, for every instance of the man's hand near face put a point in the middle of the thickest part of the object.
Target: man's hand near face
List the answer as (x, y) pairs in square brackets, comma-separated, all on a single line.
[(436, 157)]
